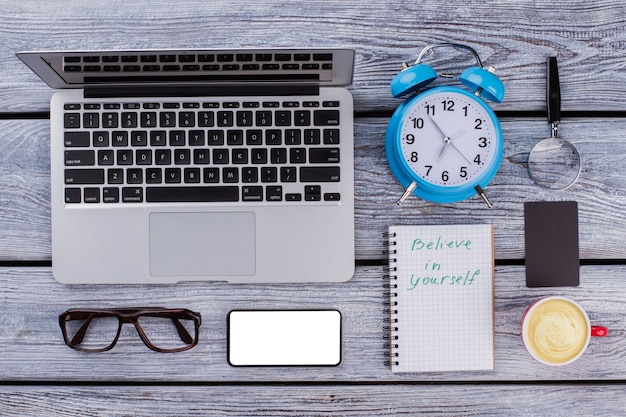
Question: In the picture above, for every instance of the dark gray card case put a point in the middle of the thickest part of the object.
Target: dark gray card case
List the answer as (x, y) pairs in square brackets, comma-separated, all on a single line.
[(552, 258)]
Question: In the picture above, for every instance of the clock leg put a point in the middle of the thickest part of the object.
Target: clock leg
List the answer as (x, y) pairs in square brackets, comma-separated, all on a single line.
[(409, 190), (482, 195)]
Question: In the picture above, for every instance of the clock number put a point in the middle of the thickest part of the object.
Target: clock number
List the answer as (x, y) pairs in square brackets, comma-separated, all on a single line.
[(414, 157), (477, 159), (430, 108), (448, 105), (429, 167), (463, 173), (479, 124), (483, 142), (444, 176), (409, 139), (465, 109), (418, 123)]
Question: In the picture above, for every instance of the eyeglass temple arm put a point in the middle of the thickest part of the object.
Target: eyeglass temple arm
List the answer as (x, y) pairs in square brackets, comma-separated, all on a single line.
[(182, 332), (80, 334)]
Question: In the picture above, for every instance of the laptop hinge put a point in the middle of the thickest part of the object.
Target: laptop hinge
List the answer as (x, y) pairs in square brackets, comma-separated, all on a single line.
[(200, 91)]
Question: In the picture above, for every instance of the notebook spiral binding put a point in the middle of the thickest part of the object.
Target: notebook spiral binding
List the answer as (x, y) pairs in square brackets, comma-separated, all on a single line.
[(390, 311)]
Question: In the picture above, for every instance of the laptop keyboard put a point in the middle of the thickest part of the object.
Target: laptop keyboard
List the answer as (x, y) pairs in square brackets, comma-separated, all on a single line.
[(262, 151)]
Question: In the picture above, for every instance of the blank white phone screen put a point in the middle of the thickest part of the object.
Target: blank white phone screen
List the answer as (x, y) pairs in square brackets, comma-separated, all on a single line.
[(284, 338)]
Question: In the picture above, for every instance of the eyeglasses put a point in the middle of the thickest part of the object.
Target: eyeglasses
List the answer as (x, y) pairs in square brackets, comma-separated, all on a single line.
[(161, 329)]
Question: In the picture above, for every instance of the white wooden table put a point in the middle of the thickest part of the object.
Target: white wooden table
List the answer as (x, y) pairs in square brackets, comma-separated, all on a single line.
[(39, 375)]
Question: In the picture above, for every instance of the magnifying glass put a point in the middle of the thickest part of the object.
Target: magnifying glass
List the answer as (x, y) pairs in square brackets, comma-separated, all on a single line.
[(554, 163)]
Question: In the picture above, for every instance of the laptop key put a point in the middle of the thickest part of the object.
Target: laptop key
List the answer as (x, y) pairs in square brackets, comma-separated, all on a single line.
[(282, 118), (323, 155), (302, 118), (91, 120), (80, 157), (72, 195), (326, 117), (331, 136), (115, 176), (148, 119), (252, 193), (312, 193), (77, 139), (101, 139), (84, 176), (72, 120), (134, 176), (132, 194), (110, 120), (187, 119), (119, 138), (129, 120), (274, 193), (92, 195), (225, 118), (110, 195), (319, 174), (167, 119), (192, 194)]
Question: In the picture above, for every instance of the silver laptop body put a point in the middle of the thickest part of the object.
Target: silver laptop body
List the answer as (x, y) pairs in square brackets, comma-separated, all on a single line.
[(179, 165)]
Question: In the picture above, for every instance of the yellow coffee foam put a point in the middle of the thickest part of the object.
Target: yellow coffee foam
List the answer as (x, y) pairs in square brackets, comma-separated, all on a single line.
[(556, 331)]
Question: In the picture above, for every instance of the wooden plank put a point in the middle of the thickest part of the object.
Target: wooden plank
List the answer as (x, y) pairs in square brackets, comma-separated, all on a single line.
[(25, 208), (598, 191), (515, 36), (336, 400), (32, 348), (25, 190)]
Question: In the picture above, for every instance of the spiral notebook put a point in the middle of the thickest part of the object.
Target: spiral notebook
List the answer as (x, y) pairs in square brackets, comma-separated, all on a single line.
[(441, 298)]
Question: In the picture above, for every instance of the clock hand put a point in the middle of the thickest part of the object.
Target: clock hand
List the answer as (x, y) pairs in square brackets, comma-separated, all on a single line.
[(437, 126), (443, 148), (457, 134), (447, 140), (459, 152)]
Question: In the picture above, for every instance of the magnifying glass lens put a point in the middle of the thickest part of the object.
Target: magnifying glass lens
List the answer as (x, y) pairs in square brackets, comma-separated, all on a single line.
[(554, 163)]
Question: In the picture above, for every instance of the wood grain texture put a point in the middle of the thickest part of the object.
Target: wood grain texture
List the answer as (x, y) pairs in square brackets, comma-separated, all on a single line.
[(516, 37), (32, 348), (312, 400), (25, 189)]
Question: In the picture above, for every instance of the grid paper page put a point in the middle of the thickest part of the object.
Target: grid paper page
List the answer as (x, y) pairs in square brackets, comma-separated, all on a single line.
[(444, 298)]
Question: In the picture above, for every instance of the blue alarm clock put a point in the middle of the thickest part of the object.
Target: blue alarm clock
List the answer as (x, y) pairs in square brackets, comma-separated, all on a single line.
[(445, 144)]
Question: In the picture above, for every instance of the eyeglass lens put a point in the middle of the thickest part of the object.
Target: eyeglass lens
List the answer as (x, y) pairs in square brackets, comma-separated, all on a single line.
[(168, 333), (92, 331)]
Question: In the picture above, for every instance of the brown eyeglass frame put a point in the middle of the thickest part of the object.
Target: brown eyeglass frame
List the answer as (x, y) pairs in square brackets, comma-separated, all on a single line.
[(131, 315)]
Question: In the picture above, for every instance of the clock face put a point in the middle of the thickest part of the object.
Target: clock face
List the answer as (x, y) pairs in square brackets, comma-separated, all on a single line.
[(448, 138)]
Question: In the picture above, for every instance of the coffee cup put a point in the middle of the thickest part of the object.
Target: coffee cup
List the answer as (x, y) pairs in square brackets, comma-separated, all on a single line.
[(556, 330)]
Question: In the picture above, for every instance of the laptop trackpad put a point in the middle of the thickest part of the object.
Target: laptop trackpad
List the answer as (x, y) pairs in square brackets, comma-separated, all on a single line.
[(195, 244)]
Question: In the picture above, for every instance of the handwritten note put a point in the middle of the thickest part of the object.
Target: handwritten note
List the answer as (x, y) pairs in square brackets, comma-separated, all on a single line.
[(442, 297)]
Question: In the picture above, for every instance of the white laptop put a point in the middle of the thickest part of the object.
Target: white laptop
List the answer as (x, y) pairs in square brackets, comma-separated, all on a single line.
[(186, 165)]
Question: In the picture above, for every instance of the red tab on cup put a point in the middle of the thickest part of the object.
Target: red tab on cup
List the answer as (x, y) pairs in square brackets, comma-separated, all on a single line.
[(599, 331)]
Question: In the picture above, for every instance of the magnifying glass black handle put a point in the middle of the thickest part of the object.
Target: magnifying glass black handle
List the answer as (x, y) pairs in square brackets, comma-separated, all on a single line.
[(553, 88)]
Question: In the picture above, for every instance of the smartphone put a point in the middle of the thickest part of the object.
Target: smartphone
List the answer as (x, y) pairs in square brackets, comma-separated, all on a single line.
[(284, 338)]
